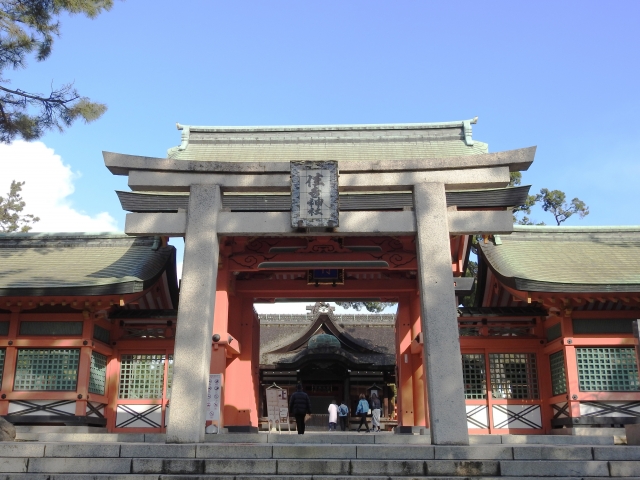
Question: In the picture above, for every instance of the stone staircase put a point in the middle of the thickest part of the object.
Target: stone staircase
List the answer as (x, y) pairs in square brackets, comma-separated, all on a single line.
[(338, 456)]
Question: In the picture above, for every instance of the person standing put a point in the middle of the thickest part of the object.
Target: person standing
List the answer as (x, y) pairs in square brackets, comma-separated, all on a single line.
[(363, 410), (375, 412), (299, 407), (343, 415), (333, 416)]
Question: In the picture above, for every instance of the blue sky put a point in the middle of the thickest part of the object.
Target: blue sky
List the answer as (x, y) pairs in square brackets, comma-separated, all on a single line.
[(560, 75)]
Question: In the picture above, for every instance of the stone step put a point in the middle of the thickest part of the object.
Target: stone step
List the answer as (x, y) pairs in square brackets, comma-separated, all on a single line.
[(24, 429), (317, 438), (296, 467), (318, 451), (534, 474), (232, 461), (72, 476)]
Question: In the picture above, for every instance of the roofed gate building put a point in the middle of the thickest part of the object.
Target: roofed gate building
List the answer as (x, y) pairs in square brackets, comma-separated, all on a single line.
[(367, 212)]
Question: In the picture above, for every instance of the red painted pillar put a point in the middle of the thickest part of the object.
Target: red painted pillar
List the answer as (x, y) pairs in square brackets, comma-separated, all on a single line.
[(113, 375), (221, 327), (419, 385), (84, 365), (404, 364), (240, 399), (255, 358), (10, 358), (571, 366)]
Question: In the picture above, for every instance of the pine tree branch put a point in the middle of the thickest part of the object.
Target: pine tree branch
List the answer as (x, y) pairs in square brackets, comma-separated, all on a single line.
[(30, 96)]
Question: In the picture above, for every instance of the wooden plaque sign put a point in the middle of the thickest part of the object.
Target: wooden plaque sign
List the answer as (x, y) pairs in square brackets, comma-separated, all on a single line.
[(314, 194)]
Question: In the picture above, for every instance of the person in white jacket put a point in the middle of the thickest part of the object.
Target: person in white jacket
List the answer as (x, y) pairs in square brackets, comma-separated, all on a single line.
[(333, 416)]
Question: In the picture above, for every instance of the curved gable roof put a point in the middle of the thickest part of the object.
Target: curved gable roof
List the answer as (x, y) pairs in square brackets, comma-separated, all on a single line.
[(40, 264), (567, 259), (325, 321)]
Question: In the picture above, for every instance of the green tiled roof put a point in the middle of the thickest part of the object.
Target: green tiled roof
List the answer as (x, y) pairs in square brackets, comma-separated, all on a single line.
[(327, 142), (79, 264), (567, 259)]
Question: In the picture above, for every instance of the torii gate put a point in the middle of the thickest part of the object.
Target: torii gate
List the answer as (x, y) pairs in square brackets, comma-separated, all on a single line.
[(430, 220)]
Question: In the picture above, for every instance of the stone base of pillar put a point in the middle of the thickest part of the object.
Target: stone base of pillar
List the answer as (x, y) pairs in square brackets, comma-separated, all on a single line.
[(411, 430), (633, 434)]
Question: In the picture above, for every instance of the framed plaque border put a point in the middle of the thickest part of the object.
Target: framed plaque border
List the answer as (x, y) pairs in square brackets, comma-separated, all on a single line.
[(296, 220)]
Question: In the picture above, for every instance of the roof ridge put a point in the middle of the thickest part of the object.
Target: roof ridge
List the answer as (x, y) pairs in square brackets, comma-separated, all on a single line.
[(346, 126), (574, 229), (61, 234)]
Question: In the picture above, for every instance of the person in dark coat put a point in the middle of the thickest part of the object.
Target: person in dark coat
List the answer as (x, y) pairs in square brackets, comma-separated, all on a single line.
[(299, 407)]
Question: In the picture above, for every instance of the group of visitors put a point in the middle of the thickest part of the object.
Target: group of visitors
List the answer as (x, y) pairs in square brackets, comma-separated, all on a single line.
[(300, 408), (363, 409), (338, 412)]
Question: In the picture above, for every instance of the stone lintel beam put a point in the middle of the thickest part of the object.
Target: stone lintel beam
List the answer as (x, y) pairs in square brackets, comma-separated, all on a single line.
[(351, 223), (516, 160), (171, 224), (467, 179), (477, 222), (477, 178)]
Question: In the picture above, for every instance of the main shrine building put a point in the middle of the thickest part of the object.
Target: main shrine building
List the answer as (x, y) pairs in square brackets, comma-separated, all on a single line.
[(94, 329)]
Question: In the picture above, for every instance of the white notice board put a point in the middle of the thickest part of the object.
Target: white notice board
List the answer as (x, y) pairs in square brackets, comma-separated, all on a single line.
[(277, 405), (214, 396)]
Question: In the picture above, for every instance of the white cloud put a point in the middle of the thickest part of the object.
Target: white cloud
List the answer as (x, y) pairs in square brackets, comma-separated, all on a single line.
[(49, 183)]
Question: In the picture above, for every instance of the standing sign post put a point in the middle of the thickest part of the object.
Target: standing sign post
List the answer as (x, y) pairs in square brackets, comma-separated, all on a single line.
[(214, 399), (277, 407)]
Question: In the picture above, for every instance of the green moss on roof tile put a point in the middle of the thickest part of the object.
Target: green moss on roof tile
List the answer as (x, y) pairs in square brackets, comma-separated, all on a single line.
[(328, 142), (567, 259)]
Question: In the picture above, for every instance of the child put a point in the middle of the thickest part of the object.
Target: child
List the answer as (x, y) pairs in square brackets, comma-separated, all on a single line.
[(343, 415)]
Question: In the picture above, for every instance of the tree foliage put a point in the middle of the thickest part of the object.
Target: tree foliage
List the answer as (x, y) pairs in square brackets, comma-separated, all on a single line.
[(516, 179), (553, 201), (29, 27), (373, 307), (11, 217)]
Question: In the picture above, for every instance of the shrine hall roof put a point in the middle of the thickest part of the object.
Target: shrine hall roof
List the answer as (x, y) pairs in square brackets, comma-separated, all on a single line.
[(42, 264), (375, 332), (567, 259), (409, 141)]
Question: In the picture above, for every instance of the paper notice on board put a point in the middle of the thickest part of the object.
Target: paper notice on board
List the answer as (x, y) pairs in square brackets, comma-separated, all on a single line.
[(277, 405)]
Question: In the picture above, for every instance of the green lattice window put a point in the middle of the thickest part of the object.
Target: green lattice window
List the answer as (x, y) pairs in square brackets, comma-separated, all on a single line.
[(558, 374), (141, 376), (607, 369), (51, 328), (514, 375), (474, 376), (47, 369), (97, 373), (2, 352), (169, 375)]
